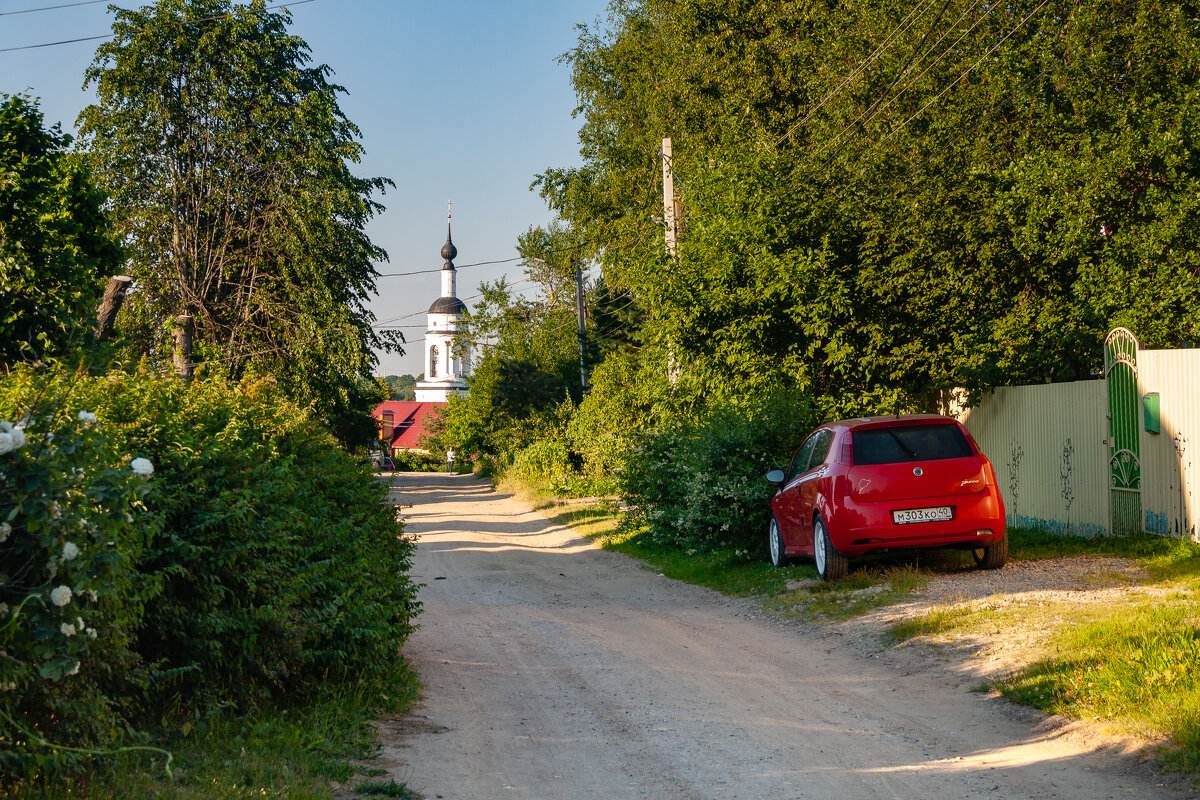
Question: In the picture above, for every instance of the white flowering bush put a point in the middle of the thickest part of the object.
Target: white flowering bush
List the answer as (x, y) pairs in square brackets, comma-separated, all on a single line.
[(72, 516), (184, 548)]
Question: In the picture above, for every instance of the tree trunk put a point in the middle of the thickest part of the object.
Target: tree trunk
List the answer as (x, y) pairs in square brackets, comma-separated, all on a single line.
[(114, 296), (183, 346)]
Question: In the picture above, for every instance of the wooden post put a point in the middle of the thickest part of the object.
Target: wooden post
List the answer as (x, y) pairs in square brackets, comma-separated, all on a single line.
[(579, 313), (183, 346), (114, 296), (669, 196)]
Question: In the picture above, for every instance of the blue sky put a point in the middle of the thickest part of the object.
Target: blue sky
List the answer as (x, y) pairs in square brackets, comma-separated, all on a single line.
[(457, 100)]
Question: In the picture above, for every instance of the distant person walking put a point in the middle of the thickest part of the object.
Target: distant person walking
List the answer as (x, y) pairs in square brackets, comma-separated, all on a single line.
[(450, 460)]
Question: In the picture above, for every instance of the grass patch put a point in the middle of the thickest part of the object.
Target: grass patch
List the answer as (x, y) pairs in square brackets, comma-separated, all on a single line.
[(266, 753), (385, 789), (1135, 666)]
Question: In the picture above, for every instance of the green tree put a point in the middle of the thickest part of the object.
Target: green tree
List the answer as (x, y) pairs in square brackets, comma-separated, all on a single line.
[(884, 202), (402, 387), (227, 158), (55, 243)]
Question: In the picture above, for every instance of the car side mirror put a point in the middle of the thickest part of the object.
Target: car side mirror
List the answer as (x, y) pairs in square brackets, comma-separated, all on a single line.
[(775, 476)]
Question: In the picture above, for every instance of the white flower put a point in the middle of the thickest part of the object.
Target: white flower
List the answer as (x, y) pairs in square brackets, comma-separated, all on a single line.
[(5, 530), (55, 509), (5, 426), (8, 687), (74, 669), (86, 417), (79, 626), (18, 437), (61, 596), (90, 594), (91, 633), (142, 466), (67, 628), (70, 551), (6, 442)]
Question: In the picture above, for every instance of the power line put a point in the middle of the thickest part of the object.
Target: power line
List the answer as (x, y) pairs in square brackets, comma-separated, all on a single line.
[(968, 71), (867, 115), (896, 31), (109, 35), (862, 121), (52, 8)]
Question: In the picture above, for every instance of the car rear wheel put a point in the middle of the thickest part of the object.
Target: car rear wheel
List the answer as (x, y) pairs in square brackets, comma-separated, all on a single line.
[(994, 556), (831, 564), (775, 543)]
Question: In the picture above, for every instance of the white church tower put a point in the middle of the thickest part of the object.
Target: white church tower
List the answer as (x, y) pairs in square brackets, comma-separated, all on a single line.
[(445, 367)]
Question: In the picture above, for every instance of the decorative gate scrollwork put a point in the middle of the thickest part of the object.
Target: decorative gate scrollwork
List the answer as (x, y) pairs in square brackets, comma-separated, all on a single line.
[(1120, 373)]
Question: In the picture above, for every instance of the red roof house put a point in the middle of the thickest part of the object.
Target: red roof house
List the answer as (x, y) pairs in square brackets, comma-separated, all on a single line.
[(402, 423)]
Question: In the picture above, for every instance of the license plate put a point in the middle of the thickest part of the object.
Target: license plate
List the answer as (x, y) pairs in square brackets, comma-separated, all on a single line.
[(911, 515)]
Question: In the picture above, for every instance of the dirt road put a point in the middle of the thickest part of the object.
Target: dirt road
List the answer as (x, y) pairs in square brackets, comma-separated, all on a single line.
[(557, 670)]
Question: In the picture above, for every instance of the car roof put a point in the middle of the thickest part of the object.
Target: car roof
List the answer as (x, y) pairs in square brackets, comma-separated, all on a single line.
[(891, 421)]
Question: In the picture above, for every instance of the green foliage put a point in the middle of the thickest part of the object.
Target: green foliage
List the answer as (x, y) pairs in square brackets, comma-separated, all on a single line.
[(73, 527), (289, 752), (980, 215), (547, 462), (412, 461), (227, 158), (1136, 666), (698, 483), (55, 243), (280, 568), (625, 393), (523, 383), (402, 387)]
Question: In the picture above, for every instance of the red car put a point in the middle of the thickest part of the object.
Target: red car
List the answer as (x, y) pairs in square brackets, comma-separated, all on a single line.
[(879, 483)]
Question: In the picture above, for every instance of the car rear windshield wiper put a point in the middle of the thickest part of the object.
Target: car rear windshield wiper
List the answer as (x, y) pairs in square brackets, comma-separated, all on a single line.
[(911, 453)]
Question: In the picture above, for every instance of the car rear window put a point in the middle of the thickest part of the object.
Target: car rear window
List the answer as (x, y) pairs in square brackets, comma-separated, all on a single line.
[(909, 443)]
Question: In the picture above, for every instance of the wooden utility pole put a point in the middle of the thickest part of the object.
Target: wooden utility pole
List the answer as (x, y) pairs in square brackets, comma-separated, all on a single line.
[(579, 314), (182, 335), (670, 218), (114, 296)]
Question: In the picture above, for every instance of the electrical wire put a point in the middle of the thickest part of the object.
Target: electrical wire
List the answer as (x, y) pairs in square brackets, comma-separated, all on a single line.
[(895, 33), (808, 179), (53, 8), (109, 35), (871, 111)]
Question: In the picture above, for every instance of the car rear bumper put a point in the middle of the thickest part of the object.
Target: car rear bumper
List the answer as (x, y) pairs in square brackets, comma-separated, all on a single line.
[(858, 528)]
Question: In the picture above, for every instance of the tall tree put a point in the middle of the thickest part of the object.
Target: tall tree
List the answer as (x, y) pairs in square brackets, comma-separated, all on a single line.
[(55, 242), (884, 200), (227, 157)]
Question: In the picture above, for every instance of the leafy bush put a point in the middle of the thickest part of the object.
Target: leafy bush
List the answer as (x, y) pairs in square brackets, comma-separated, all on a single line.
[(543, 463), (72, 527), (276, 565), (698, 483)]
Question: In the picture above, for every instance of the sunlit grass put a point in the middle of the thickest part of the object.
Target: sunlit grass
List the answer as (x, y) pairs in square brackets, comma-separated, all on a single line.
[(1136, 666)]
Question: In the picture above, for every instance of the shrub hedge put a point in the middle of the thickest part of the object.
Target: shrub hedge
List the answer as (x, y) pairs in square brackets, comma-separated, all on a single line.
[(698, 482), (259, 561)]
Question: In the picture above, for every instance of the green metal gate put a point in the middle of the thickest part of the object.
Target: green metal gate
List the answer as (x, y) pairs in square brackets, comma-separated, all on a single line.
[(1120, 373)]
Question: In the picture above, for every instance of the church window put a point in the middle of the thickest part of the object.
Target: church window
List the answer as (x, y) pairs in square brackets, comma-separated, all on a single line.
[(433, 359)]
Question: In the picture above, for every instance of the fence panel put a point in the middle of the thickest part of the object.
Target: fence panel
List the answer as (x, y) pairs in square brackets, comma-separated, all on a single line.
[(1048, 443), (1171, 461)]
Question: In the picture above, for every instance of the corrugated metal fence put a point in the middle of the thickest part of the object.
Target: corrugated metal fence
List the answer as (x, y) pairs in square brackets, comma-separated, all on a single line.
[(1170, 469), (1049, 446), (1052, 446)]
